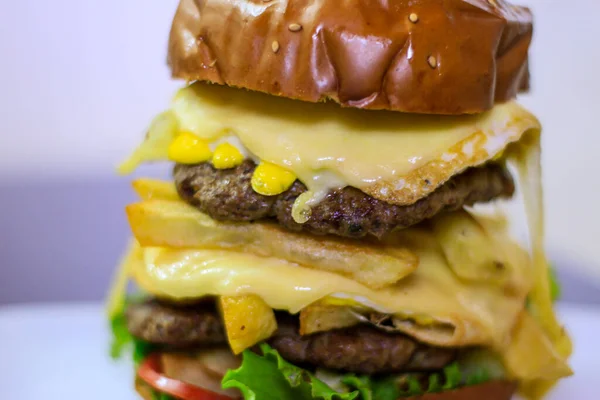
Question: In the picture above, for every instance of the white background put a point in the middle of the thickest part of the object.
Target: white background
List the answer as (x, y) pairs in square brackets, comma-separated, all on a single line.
[(80, 80)]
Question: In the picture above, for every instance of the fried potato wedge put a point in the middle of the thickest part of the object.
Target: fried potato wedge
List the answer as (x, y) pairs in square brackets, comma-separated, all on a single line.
[(248, 320), (179, 225), (321, 317), (473, 250), (148, 189), (468, 249), (531, 355)]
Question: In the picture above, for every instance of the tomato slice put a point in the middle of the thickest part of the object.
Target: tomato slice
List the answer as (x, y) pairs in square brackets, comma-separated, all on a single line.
[(150, 372)]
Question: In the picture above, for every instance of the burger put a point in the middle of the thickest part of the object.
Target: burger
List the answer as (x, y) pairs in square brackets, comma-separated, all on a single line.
[(335, 227)]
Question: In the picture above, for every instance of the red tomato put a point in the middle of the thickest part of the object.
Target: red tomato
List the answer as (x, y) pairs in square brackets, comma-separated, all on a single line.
[(150, 372)]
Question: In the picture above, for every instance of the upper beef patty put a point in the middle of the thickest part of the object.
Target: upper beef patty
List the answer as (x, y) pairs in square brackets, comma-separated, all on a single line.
[(227, 194), (361, 349)]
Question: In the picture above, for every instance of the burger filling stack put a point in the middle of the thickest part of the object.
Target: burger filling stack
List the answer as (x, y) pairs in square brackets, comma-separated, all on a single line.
[(334, 226)]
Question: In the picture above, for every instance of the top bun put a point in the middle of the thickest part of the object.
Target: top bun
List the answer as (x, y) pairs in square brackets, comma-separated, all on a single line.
[(420, 56)]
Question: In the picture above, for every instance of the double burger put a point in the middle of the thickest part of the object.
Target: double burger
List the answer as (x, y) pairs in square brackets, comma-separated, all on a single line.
[(334, 228)]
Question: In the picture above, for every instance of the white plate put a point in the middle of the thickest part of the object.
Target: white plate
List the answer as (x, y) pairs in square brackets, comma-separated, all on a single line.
[(61, 352)]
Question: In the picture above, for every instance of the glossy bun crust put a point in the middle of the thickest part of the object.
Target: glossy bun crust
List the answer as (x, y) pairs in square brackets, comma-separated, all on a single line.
[(422, 56)]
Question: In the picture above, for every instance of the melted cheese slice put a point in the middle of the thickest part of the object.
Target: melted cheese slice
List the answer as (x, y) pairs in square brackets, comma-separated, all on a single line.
[(464, 313), (526, 156), (468, 311), (396, 157)]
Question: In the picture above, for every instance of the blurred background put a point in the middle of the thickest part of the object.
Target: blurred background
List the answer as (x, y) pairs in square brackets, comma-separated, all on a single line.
[(80, 80)]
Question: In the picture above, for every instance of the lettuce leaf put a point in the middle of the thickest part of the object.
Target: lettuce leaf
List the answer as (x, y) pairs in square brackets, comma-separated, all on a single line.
[(121, 337), (270, 377), (362, 384), (122, 340), (407, 385), (161, 396), (555, 289)]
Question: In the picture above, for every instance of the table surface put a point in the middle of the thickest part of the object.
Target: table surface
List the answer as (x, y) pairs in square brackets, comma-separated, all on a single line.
[(61, 352)]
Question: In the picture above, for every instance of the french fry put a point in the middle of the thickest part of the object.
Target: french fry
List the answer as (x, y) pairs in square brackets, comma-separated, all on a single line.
[(531, 355), (322, 317), (248, 320), (148, 189), (470, 251), (179, 225)]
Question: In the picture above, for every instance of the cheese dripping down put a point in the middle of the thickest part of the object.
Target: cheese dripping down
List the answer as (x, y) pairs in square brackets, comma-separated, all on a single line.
[(525, 155)]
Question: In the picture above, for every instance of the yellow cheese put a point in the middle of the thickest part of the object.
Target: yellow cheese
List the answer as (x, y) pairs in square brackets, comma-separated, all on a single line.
[(471, 309), (458, 313), (118, 289), (526, 156), (395, 157), (162, 132)]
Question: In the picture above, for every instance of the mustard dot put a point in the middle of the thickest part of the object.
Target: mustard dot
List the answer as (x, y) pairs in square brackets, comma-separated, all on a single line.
[(270, 179), (227, 156), (188, 148)]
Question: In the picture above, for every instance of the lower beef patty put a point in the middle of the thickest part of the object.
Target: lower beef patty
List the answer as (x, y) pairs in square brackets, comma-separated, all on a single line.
[(361, 349), (175, 326), (228, 195)]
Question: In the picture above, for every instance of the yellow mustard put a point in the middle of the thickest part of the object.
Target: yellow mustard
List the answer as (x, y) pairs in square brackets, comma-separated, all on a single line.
[(188, 148), (226, 156), (270, 179)]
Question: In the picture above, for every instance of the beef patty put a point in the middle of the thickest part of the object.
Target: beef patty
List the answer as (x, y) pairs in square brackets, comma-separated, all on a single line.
[(175, 326), (227, 195), (361, 349)]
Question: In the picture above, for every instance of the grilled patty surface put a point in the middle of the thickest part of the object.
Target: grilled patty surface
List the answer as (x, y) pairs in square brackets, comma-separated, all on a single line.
[(227, 195), (361, 348)]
